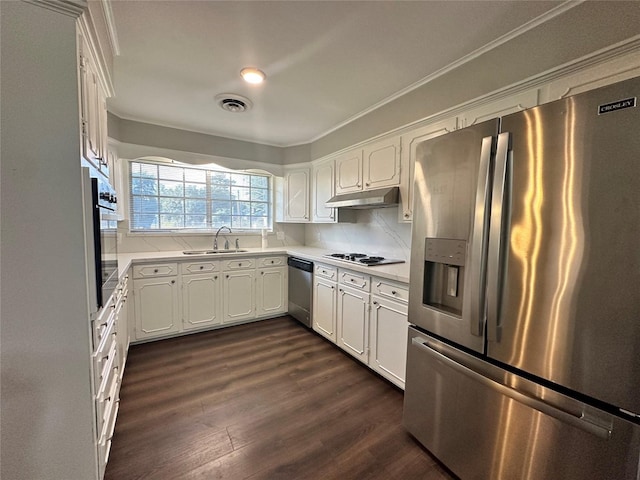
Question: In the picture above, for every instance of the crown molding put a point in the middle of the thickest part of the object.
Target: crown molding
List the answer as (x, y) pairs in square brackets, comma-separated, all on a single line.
[(111, 27), (71, 8), (545, 17)]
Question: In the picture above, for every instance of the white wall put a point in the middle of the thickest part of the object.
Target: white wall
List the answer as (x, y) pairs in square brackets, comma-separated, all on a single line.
[(47, 416)]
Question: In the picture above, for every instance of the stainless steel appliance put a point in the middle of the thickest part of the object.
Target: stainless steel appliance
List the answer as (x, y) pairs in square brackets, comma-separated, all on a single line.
[(523, 356), (363, 259), (102, 221), (300, 289)]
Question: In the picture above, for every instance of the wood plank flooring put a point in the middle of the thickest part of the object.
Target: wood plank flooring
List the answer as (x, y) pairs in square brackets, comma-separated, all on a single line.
[(266, 400)]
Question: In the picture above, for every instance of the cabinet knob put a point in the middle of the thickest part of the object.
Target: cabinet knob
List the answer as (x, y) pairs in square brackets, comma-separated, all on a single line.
[(393, 292), (201, 267), (375, 303), (155, 270), (406, 215), (227, 276), (216, 277), (261, 273), (173, 281), (239, 264), (367, 184)]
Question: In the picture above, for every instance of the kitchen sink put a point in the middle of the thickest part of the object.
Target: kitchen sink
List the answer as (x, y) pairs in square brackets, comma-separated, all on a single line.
[(209, 252)]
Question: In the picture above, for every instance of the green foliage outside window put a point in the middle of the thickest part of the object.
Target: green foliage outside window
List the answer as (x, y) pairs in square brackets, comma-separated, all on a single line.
[(169, 197)]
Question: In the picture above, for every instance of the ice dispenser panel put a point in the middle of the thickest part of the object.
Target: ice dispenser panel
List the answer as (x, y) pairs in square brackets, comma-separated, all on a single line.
[(444, 274)]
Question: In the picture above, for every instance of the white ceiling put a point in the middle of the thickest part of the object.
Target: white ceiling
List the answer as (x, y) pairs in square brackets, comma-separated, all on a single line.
[(326, 61)]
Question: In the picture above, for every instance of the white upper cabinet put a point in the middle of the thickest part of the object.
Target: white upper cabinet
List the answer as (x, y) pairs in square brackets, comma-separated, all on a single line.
[(381, 164), (322, 178), (322, 189), (498, 108), (614, 70), (296, 196), (349, 172), (410, 142), (93, 108), (376, 165)]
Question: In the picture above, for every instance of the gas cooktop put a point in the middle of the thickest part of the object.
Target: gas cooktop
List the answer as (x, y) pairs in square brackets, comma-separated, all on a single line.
[(363, 259)]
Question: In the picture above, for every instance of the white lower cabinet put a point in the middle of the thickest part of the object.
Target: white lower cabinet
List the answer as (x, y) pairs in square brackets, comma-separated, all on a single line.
[(156, 306), (271, 291), (324, 301), (238, 295), (365, 316), (201, 300), (353, 322), (389, 329)]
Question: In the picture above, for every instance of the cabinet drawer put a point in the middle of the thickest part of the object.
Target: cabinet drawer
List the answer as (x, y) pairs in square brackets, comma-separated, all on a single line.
[(155, 270), (239, 264), (272, 262), (326, 271), (199, 267), (355, 280), (103, 360), (388, 289), (103, 323)]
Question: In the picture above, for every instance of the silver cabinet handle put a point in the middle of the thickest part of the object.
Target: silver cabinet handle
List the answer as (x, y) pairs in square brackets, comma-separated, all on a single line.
[(541, 406)]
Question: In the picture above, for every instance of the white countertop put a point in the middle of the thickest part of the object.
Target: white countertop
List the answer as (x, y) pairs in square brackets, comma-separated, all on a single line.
[(397, 271)]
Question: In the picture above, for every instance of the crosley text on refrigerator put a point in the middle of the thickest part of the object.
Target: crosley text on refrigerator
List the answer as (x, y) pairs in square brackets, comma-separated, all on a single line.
[(524, 351)]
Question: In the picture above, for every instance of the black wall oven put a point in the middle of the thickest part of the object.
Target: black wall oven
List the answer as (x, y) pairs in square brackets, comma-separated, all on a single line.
[(104, 225)]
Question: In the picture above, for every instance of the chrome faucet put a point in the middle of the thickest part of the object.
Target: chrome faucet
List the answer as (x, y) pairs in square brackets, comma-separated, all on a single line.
[(226, 241)]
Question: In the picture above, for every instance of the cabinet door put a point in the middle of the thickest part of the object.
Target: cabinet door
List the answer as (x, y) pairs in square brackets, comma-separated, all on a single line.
[(323, 187), (238, 296), (389, 327), (296, 193), (201, 301), (410, 141), (499, 108), (381, 164), (353, 322), (271, 291), (324, 308), (349, 172), (156, 306)]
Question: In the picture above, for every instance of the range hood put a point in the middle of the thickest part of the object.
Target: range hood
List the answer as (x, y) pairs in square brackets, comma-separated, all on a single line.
[(379, 198)]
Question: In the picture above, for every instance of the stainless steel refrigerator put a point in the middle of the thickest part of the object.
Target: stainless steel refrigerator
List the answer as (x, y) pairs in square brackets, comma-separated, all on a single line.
[(524, 351)]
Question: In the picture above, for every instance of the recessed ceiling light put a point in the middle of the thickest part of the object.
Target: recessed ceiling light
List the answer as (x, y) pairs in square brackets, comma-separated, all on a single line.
[(252, 75)]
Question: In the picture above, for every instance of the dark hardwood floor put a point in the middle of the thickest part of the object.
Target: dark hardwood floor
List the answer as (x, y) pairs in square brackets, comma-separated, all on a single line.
[(266, 400)]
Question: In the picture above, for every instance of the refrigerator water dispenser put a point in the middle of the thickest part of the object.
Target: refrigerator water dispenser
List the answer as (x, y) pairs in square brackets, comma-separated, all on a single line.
[(444, 274)]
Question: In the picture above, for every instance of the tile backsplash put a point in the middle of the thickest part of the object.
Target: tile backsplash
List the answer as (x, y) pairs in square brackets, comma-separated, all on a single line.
[(375, 231)]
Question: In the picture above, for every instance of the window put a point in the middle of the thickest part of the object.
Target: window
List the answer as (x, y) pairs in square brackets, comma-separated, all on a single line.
[(169, 197)]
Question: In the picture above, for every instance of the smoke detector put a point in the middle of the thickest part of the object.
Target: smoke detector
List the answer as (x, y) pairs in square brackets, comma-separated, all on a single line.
[(233, 103)]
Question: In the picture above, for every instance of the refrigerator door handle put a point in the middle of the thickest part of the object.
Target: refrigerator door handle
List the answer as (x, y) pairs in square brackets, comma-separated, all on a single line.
[(497, 236), (582, 422), (474, 301)]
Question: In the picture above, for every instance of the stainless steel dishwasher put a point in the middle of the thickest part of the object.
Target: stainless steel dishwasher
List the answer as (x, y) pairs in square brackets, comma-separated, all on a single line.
[(300, 289)]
